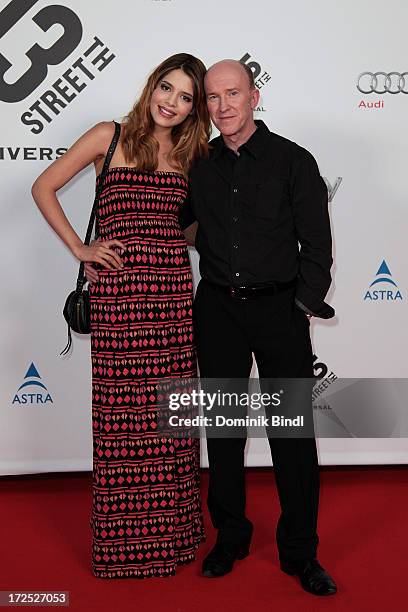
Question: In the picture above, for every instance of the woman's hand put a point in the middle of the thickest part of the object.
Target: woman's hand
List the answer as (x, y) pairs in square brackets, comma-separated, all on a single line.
[(101, 252), (91, 274)]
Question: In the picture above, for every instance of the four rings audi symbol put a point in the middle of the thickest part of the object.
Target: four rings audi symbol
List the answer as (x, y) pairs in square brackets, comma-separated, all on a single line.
[(383, 82)]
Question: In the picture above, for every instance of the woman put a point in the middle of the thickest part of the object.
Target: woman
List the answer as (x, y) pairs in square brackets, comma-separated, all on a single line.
[(146, 514)]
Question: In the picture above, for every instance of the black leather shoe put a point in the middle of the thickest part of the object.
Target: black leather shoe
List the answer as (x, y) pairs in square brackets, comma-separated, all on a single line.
[(221, 558), (313, 578)]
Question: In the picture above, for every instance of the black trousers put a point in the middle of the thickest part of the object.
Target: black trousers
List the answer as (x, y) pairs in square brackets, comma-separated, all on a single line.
[(273, 329)]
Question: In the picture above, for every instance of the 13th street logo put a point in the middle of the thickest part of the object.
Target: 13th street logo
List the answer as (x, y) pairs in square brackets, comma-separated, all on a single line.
[(260, 79), (64, 89), (388, 290), (32, 390), (325, 377)]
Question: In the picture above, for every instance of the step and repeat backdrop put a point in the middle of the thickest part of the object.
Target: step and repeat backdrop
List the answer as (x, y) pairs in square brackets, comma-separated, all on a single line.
[(332, 76)]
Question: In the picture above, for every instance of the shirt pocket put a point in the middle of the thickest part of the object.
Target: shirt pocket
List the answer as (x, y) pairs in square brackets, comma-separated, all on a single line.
[(270, 195)]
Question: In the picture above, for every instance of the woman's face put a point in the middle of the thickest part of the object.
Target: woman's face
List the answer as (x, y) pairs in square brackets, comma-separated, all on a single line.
[(172, 99)]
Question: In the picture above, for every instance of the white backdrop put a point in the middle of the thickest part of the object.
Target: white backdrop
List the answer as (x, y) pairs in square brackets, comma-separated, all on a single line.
[(307, 57)]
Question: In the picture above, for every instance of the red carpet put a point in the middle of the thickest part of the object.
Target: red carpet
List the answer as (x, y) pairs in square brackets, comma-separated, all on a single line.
[(363, 528)]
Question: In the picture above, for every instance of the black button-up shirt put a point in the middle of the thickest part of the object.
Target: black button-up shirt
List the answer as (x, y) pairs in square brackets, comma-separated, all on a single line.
[(263, 217)]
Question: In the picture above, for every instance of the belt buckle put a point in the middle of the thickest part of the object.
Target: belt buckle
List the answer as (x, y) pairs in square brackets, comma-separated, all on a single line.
[(234, 291)]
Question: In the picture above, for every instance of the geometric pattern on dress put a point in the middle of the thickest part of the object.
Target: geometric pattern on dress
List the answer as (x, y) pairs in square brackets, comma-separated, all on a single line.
[(146, 512)]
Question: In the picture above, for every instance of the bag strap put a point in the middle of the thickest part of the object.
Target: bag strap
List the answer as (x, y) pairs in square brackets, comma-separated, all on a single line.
[(81, 276)]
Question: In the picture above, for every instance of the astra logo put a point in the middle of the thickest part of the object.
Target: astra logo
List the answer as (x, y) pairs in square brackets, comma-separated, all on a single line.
[(332, 188), (389, 289), (35, 392), (260, 76)]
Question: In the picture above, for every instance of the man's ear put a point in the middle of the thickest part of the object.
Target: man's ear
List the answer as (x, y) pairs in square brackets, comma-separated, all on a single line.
[(255, 95)]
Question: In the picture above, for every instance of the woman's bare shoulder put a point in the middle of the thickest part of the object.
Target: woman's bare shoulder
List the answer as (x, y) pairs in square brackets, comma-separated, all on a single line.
[(102, 133)]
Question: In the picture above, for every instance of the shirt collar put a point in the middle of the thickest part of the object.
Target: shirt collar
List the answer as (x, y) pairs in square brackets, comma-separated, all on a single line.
[(254, 145)]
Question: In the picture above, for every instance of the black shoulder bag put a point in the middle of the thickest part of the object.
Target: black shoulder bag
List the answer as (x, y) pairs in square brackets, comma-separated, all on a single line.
[(77, 311)]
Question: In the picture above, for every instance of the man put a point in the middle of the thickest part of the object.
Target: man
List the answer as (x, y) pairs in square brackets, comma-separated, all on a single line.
[(256, 199)]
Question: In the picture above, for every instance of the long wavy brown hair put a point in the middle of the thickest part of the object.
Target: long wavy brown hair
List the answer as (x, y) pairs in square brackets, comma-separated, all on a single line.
[(190, 138)]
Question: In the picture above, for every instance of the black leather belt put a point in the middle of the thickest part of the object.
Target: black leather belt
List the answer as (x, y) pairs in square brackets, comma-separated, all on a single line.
[(253, 291)]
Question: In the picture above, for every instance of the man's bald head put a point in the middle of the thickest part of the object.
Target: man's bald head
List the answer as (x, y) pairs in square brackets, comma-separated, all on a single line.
[(234, 65)]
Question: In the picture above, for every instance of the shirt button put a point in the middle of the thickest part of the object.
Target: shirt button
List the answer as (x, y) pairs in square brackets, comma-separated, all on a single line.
[(235, 190), (235, 246), (236, 273), (235, 219)]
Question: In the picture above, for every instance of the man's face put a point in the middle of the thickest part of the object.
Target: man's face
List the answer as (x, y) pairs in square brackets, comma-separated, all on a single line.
[(230, 100)]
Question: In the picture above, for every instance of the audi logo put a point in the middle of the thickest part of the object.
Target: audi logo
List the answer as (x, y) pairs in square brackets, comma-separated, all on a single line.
[(383, 82)]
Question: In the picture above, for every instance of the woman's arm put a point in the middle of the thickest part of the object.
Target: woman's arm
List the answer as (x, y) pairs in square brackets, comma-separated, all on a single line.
[(91, 147)]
